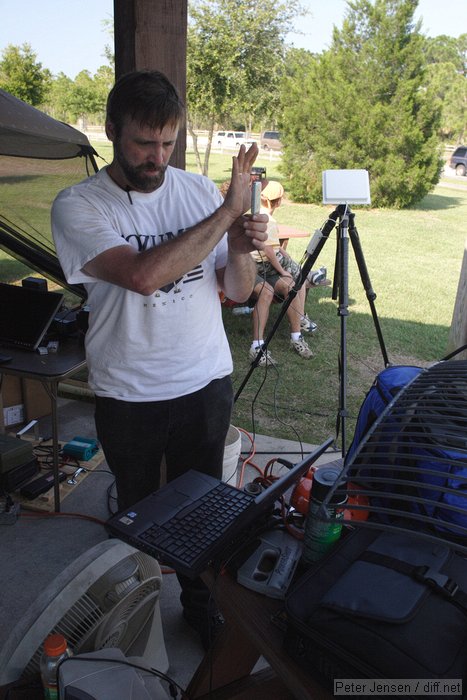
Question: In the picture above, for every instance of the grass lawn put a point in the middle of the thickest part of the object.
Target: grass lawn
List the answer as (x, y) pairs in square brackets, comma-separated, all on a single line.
[(413, 258)]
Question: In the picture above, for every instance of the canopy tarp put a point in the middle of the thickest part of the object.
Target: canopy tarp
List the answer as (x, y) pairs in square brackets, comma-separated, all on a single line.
[(39, 156), (26, 131)]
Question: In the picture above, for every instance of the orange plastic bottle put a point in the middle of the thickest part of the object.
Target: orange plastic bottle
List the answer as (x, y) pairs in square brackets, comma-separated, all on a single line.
[(55, 650)]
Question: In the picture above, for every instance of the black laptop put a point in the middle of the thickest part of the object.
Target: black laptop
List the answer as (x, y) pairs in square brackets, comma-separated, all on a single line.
[(26, 314), (195, 519)]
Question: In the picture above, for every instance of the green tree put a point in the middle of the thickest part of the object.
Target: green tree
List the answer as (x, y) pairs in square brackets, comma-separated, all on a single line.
[(447, 79), (83, 98), (448, 49), (450, 88), (108, 25), (104, 79), (364, 104), (59, 98), (22, 75), (235, 61)]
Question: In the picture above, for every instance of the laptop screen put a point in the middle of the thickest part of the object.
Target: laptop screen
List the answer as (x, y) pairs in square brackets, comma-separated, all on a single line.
[(26, 314)]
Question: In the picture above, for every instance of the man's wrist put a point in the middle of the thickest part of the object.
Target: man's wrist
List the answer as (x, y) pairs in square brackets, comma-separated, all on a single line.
[(231, 216), (232, 249)]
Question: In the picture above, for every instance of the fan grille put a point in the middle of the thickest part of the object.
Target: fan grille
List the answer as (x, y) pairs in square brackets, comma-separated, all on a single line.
[(107, 600)]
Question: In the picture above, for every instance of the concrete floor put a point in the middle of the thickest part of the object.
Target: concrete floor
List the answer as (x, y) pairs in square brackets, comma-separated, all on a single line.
[(35, 551)]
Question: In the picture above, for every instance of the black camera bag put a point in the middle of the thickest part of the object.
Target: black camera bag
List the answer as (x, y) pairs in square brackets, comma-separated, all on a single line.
[(382, 605)]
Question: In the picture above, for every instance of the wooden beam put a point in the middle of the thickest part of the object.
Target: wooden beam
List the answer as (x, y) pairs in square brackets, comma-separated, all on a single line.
[(152, 35)]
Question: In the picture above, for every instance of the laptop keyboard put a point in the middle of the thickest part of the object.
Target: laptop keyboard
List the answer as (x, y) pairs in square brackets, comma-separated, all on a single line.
[(191, 532)]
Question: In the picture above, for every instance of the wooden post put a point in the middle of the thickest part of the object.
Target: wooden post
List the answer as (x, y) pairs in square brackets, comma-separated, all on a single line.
[(152, 34), (458, 332)]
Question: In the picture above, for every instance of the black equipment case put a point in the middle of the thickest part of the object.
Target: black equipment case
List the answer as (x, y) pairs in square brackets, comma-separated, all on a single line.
[(383, 605)]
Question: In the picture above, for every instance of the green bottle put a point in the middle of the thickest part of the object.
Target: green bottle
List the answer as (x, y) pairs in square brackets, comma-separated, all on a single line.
[(323, 524)]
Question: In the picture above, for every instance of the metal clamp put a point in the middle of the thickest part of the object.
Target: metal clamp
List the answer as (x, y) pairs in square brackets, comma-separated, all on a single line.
[(440, 582)]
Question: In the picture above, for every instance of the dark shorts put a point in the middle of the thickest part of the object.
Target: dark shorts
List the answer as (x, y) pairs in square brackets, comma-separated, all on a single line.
[(270, 279), (266, 272)]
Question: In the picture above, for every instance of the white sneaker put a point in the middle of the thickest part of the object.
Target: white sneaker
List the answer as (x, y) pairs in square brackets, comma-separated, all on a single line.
[(316, 277), (266, 357), (300, 346), (307, 325)]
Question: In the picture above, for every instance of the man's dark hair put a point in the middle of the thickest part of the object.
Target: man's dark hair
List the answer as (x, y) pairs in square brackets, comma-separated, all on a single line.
[(147, 97)]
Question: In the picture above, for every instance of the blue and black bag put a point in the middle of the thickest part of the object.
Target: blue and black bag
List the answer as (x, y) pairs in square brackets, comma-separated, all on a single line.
[(385, 388), (434, 446), (382, 605), (410, 446)]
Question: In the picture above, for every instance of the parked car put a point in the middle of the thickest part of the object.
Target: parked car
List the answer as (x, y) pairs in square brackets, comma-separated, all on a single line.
[(459, 160), (271, 141), (231, 139)]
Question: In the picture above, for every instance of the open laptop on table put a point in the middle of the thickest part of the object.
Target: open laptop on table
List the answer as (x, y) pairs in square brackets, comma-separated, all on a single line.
[(194, 519), (25, 315)]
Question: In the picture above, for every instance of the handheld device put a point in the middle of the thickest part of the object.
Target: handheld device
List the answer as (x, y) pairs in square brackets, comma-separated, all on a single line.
[(258, 173), (255, 196)]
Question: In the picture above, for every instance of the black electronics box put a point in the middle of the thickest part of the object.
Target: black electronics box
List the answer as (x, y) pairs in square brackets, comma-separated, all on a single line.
[(64, 323), (14, 452), (16, 477), (35, 283)]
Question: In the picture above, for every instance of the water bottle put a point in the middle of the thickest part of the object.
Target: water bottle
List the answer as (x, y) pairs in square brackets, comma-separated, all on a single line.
[(242, 310), (55, 650), (320, 535)]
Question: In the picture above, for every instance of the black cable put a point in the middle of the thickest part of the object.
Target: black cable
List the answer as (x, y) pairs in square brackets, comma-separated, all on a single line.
[(110, 497)]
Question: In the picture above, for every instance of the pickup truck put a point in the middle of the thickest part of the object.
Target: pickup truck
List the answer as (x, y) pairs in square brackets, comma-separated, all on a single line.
[(231, 139)]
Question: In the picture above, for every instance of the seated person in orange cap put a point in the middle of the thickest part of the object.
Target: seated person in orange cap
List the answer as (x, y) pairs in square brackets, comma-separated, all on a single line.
[(276, 273)]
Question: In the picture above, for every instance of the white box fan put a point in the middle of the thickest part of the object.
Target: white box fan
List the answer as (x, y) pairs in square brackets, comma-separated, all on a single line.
[(107, 598)]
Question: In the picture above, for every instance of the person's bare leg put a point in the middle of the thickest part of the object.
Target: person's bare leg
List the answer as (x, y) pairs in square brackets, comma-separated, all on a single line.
[(264, 294), (295, 313), (296, 309)]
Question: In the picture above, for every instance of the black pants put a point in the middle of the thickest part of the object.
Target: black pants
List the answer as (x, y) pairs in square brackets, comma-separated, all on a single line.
[(190, 431)]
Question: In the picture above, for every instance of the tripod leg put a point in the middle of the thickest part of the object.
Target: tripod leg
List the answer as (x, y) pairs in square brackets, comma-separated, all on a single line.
[(337, 270), (343, 312), (370, 294)]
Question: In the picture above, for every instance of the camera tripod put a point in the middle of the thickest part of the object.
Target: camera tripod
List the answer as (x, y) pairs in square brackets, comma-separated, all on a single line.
[(346, 230)]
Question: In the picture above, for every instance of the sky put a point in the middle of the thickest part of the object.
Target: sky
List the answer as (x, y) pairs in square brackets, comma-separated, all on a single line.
[(69, 36)]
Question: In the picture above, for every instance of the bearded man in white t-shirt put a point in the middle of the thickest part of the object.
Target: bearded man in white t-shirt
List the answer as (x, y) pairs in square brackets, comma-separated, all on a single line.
[(153, 246)]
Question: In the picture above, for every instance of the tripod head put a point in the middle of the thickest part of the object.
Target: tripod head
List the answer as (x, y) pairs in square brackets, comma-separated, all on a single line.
[(350, 186)]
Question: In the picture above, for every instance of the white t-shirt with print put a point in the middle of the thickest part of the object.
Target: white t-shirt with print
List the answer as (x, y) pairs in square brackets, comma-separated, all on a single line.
[(145, 348)]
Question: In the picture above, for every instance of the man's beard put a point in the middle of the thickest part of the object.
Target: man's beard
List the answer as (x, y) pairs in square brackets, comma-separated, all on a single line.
[(136, 176)]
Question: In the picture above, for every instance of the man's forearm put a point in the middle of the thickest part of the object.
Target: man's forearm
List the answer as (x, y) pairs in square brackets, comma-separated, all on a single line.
[(239, 276), (146, 271)]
